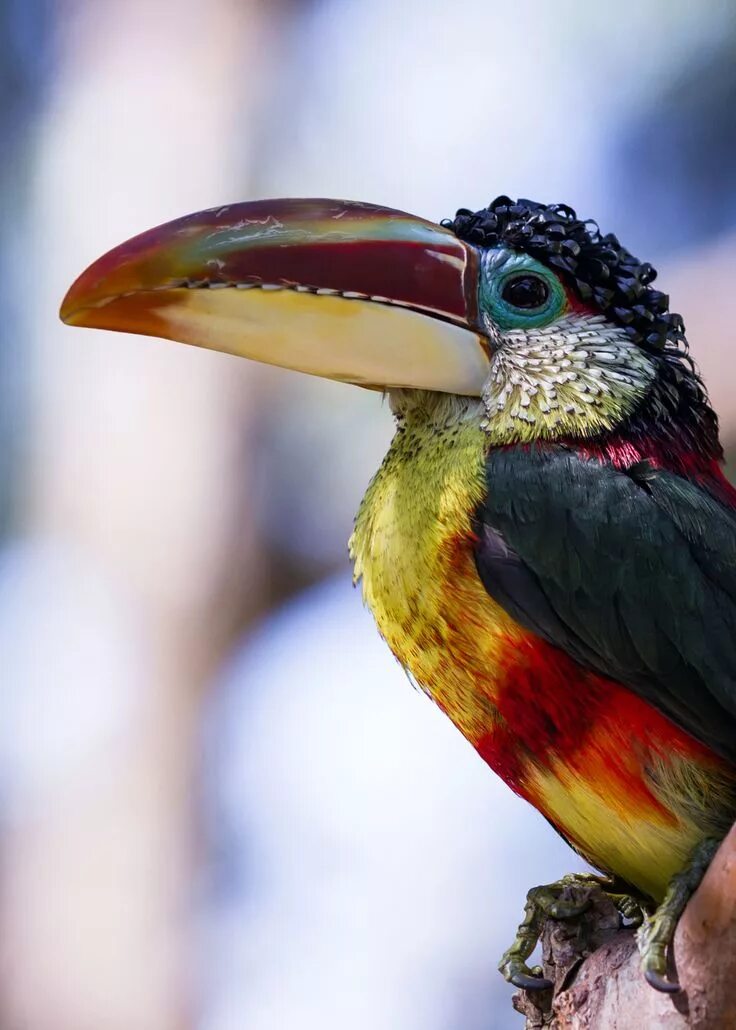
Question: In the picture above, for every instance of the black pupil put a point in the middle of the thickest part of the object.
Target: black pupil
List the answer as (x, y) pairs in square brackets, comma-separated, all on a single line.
[(525, 291)]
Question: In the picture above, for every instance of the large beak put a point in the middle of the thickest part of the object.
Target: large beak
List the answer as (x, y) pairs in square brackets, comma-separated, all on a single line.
[(344, 290)]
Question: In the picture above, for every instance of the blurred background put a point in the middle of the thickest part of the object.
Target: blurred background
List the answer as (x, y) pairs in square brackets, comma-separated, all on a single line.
[(221, 804)]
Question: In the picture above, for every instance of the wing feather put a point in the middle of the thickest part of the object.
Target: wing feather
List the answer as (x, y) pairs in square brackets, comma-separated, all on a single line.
[(632, 574)]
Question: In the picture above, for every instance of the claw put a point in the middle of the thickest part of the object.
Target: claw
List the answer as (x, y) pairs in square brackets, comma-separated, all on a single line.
[(516, 971), (660, 983), (654, 937), (530, 983)]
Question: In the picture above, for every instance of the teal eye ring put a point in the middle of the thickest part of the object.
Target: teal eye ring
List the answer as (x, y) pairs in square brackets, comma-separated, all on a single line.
[(517, 292)]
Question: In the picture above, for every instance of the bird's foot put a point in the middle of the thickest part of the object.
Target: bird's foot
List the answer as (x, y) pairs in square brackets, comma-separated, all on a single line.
[(556, 901), (656, 932)]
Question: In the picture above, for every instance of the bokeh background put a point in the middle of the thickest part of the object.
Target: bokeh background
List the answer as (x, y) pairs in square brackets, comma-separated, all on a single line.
[(221, 804)]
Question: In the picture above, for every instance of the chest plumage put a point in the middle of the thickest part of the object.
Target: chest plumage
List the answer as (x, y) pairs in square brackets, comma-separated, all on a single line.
[(412, 551)]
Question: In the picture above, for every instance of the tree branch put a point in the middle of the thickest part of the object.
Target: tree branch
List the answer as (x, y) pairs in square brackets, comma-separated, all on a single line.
[(595, 966)]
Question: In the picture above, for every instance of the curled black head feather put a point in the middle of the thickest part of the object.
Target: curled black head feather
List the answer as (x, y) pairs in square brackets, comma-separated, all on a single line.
[(602, 272), (606, 276)]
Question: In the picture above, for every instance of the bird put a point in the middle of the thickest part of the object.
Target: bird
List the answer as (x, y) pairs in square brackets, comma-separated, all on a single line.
[(549, 546)]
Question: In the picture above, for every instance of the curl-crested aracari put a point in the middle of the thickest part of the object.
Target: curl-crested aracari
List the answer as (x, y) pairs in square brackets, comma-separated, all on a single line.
[(549, 547)]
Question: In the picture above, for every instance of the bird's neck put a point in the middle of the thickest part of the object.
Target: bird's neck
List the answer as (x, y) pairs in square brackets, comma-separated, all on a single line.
[(425, 493)]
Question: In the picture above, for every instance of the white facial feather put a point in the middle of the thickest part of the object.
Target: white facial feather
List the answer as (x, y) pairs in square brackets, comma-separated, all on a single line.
[(577, 376)]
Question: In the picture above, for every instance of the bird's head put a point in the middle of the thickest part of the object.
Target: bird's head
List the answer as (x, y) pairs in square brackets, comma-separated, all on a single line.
[(554, 326)]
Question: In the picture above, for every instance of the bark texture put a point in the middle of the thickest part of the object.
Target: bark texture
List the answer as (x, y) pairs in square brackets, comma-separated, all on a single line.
[(595, 966)]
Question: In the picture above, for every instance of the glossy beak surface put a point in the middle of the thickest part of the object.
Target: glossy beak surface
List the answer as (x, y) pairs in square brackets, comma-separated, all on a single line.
[(344, 290)]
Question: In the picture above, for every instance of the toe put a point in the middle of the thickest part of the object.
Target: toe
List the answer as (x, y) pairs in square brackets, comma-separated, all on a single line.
[(562, 909)]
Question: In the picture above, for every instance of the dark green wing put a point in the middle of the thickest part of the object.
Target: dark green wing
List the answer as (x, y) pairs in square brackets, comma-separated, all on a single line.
[(631, 573)]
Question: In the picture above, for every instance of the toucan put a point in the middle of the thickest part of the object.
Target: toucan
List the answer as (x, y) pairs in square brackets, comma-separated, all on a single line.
[(549, 547)]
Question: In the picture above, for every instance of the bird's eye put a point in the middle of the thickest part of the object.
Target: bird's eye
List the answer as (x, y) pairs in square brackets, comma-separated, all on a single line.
[(518, 292), (525, 291)]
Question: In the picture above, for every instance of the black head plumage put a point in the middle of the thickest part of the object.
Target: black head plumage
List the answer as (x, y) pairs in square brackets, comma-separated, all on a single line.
[(605, 275), (598, 268)]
